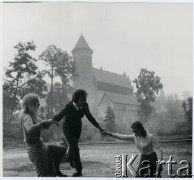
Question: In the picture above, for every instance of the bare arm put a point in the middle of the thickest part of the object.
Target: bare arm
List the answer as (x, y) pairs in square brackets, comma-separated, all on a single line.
[(121, 136), (31, 128)]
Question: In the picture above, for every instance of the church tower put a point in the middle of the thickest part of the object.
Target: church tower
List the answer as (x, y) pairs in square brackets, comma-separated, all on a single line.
[(82, 57)]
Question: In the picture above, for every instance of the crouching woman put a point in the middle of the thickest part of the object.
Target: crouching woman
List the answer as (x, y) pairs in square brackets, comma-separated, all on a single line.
[(147, 144), (46, 158)]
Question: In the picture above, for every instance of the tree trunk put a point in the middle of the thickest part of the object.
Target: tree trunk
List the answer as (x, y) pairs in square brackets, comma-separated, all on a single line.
[(14, 97), (52, 80)]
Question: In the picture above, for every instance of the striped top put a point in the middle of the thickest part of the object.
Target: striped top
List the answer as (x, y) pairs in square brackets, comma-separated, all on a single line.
[(27, 122), (34, 143)]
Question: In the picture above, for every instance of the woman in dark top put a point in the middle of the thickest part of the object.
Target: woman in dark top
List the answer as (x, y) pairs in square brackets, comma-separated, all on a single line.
[(72, 125)]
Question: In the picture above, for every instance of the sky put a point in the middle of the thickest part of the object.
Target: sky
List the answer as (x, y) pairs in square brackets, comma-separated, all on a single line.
[(124, 37)]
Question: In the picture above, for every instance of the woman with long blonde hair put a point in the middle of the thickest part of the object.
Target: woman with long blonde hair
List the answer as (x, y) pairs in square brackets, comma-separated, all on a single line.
[(46, 158)]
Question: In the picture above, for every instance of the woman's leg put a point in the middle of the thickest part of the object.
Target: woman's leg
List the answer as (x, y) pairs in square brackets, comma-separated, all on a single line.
[(41, 157), (74, 150), (154, 160), (57, 152), (147, 166), (45, 165)]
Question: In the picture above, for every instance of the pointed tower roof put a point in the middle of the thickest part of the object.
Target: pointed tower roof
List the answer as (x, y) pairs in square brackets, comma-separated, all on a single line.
[(81, 44)]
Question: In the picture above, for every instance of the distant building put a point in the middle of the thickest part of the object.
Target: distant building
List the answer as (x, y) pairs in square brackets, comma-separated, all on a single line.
[(104, 88)]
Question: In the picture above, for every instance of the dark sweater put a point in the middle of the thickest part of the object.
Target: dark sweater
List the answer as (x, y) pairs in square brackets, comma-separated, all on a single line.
[(73, 117)]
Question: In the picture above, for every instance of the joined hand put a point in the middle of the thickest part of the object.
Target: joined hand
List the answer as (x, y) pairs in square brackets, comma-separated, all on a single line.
[(56, 123), (103, 132)]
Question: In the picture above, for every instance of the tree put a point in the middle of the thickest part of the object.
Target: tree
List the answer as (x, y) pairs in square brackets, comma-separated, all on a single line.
[(109, 119), (7, 102), (60, 64), (59, 99), (173, 105), (22, 77), (65, 68), (148, 85), (187, 107), (50, 59), (186, 94)]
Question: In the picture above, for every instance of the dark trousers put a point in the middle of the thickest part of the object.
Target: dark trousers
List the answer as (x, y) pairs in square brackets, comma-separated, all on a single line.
[(73, 139), (151, 158)]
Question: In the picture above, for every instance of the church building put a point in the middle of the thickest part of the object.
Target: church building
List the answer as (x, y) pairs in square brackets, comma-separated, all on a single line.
[(104, 88)]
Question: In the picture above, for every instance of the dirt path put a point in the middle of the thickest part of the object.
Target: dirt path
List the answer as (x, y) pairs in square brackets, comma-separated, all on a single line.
[(97, 160)]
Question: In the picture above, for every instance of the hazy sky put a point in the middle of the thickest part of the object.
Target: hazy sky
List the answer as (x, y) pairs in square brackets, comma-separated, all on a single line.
[(124, 36)]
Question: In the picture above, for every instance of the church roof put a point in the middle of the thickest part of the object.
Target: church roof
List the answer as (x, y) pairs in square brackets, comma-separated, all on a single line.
[(122, 99), (111, 78), (81, 44)]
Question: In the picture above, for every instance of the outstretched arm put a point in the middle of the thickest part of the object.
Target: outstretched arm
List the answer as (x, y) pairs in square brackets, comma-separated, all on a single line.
[(121, 136), (61, 114), (91, 118), (31, 128)]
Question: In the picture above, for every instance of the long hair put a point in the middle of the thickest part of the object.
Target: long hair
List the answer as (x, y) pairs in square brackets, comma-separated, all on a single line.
[(29, 103), (138, 125), (78, 94)]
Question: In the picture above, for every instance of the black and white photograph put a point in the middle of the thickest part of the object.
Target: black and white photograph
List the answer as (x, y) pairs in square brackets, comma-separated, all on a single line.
[(97, 89)]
